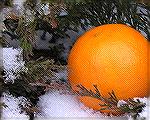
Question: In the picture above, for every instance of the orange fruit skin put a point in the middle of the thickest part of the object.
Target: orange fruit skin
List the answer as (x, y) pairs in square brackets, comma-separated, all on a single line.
[(149, 67), (113, 57)]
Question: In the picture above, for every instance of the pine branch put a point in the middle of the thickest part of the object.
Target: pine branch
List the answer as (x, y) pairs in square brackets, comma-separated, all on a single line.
[(112, 103), (42, 70)]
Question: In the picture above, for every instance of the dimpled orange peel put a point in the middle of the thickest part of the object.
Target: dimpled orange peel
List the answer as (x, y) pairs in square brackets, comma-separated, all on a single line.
[(113, 57)]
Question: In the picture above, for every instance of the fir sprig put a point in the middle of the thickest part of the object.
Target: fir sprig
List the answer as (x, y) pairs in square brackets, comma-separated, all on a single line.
[(132, 107), (41, 70)]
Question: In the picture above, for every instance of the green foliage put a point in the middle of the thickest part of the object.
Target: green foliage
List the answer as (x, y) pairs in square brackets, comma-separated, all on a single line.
[(49, 1), (5, 3), (99, 12), (41, 70), (30, 4), (2, 41), (26, 33), (75, 1)]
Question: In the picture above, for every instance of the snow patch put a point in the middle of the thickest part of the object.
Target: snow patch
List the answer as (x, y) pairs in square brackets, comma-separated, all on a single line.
[(12, 62), (12, 111), (56, 105)]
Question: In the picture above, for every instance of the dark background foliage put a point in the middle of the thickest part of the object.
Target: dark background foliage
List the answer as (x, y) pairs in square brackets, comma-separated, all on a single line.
[(98, 12)]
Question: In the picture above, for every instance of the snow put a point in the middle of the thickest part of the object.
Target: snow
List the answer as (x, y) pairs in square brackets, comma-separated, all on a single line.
[(19, 3), (145, 113), (56, 105), (65, 105), (1, 57), (12, 62), (12, 112)]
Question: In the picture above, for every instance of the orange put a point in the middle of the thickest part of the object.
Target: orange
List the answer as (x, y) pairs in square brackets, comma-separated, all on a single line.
[(113, 57)]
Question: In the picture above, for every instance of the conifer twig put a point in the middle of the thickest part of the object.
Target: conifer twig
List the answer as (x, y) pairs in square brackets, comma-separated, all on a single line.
[(130, 106)]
